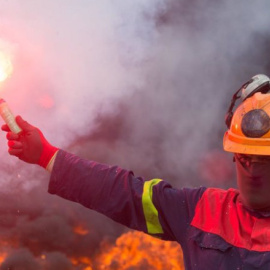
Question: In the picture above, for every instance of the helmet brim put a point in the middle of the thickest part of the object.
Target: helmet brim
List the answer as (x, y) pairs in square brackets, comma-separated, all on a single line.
[(244, 145)]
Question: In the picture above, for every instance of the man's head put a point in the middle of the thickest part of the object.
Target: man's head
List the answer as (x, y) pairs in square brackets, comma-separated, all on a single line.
[(253, 180), (248, 137)]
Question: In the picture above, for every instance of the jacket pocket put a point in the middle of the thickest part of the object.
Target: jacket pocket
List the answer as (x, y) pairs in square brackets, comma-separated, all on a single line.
[(216, 251), (209, 240), (210, 251)]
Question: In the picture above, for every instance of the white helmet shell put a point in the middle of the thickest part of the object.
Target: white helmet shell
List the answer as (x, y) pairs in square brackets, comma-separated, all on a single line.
[(253, 85)]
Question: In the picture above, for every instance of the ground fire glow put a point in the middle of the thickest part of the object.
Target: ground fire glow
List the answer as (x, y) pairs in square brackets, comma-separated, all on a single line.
[(132, 250), (135, 250)]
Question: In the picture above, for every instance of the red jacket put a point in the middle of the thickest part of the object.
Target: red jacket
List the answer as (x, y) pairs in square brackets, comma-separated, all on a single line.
[(214, 230)]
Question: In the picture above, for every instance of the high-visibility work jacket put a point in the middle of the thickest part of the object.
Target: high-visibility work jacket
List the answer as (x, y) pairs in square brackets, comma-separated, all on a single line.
[(213, 228)]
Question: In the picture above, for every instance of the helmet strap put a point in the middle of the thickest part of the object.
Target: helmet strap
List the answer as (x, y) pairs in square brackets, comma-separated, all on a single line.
[(229, 114)]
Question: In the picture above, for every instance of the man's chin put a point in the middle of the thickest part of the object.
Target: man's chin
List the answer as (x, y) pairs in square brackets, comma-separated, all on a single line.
[(254, 202), (256, 205)]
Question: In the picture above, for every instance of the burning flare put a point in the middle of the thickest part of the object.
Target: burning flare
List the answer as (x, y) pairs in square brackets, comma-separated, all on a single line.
[(5, 66)]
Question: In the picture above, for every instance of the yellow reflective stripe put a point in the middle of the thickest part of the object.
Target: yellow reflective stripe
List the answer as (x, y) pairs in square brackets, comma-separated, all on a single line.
[(150, 211)]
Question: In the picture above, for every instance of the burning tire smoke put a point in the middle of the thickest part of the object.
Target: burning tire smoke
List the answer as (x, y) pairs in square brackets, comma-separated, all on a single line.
[(141, 84)]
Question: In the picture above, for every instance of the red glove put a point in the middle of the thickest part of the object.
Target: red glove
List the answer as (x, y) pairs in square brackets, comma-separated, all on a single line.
[(29, 145)]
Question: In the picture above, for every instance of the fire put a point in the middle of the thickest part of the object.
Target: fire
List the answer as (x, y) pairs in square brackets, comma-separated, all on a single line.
[(5, 66), (3, 257), (137, 250), (81, 261), (80, 229), (132, 250)]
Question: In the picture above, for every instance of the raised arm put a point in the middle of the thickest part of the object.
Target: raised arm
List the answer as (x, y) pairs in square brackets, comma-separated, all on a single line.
[(151, 206)]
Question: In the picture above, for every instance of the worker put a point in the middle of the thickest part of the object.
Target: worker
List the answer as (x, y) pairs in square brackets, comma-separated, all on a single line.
[(216, 228)]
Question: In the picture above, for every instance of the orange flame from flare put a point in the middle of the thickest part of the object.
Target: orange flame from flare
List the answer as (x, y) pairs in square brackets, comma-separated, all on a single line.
[(5, 66)]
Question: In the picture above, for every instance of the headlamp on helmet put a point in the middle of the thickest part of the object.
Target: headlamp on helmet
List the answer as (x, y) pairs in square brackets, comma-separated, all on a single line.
[(249, 126)]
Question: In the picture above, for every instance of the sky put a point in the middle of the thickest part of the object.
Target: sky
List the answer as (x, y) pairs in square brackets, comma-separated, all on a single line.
[(141, 84)]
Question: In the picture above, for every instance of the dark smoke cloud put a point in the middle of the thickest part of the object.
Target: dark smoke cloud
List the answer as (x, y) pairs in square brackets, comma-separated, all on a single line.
[(141, 84), (20, 260)]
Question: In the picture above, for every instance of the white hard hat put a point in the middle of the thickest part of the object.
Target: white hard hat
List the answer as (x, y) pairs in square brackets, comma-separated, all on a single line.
[(255, 84)]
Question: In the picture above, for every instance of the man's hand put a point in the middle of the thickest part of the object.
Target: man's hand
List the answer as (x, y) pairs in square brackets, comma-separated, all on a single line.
[(29, 145)]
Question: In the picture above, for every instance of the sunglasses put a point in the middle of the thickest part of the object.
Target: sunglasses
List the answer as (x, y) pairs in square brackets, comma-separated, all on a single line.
[(248, 159)]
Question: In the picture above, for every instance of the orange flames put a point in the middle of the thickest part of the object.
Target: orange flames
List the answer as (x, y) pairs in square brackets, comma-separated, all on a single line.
[(80, 229), (135, 250), (132, 250), (3, 257)]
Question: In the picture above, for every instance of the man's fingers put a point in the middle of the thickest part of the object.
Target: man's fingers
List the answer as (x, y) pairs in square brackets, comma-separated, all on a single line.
[(5, 128), (23, 124), (15, 152), (12, 136), (15, 145)]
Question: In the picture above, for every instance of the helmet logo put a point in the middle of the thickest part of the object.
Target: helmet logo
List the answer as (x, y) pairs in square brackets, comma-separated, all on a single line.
[(255, 123)]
